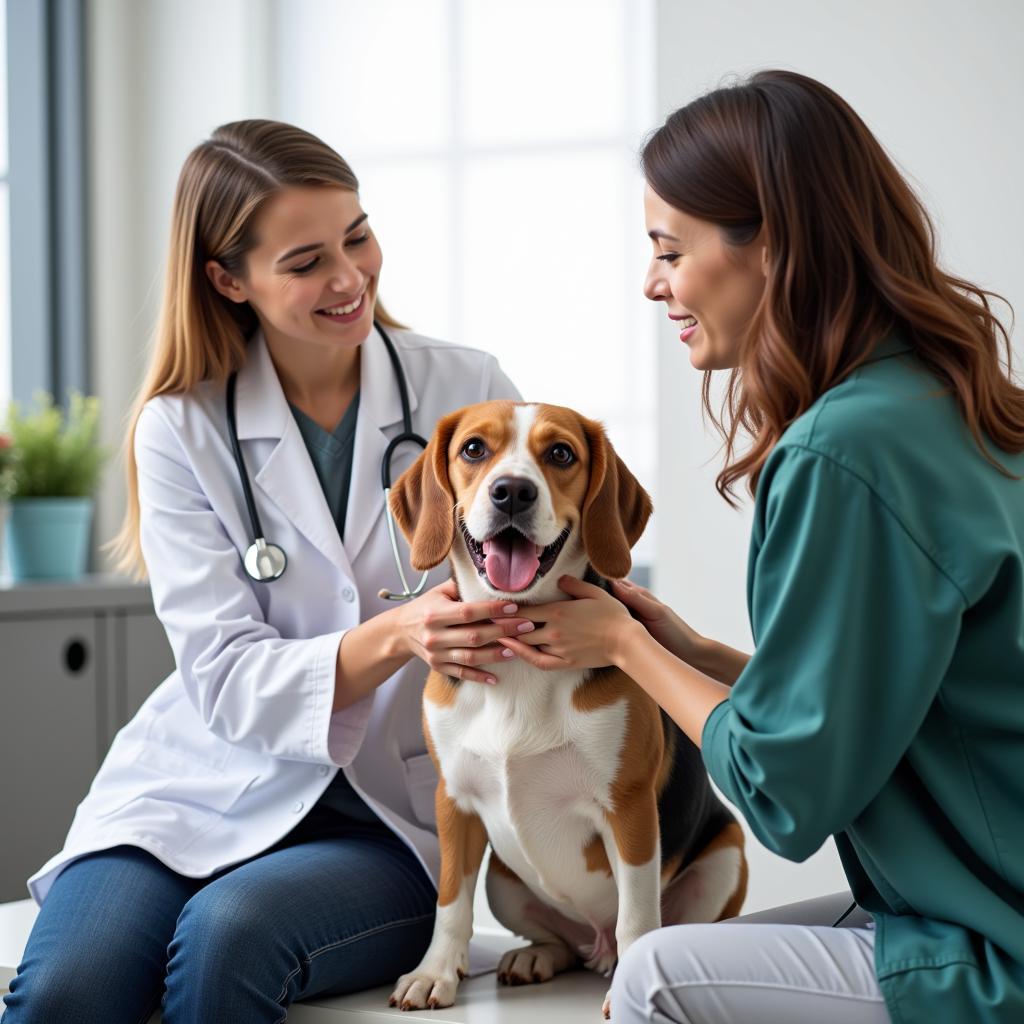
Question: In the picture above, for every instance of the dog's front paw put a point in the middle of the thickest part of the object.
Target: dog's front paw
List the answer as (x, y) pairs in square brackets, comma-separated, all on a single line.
[(424, 989)]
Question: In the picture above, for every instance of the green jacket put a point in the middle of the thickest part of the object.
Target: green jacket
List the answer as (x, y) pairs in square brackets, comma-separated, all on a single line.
[(884, 703)]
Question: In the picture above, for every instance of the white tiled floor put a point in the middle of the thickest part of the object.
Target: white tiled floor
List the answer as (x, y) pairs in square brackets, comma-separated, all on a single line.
[(573, 998)]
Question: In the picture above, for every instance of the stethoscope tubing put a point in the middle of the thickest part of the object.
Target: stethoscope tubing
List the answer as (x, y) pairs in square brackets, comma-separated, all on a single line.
[(266, 562), (236, 450)]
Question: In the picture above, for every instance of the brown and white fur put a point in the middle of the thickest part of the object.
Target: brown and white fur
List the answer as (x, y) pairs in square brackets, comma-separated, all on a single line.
[(598, 810)]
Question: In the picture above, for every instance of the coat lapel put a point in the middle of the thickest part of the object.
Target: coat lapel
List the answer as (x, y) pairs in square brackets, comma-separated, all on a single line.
[(286, 475), (380, 419)]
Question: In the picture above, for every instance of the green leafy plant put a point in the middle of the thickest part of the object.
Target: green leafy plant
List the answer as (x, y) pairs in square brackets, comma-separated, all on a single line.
[(55, 456)]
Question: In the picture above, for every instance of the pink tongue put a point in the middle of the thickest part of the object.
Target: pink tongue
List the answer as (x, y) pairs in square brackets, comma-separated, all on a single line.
[(511, 561)]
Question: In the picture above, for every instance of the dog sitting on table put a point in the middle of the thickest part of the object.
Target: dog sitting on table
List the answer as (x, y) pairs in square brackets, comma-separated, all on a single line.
[(598, 810)]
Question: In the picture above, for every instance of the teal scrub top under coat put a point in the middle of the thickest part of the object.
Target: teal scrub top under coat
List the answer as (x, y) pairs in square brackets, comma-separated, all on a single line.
[(884, 702), (331, 453)]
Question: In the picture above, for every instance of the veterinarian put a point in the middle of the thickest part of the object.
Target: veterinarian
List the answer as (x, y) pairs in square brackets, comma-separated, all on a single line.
[(263, 829), (883, 702)]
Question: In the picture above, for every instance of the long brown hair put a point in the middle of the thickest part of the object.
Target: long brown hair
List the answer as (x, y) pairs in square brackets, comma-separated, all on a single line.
[(851, 255), (200, 335)]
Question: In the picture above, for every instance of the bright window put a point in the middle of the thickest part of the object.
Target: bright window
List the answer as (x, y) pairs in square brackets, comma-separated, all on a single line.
[(5, 279), (496, 146)]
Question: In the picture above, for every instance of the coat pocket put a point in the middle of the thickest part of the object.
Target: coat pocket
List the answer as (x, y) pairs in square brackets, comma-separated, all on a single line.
[(194, 795), (421, 784), (191, 782)]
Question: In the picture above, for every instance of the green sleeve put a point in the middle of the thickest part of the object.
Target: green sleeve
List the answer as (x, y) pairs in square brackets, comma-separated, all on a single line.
[(854, 627)]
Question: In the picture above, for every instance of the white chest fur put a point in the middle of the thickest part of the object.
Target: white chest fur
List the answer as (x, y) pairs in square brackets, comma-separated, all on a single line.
[(538, 773)]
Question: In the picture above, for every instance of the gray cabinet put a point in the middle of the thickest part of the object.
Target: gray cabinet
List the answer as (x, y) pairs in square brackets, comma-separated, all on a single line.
[(76, 662)]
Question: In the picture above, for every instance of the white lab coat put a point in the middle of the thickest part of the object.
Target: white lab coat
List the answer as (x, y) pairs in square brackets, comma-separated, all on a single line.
[(231, 750)]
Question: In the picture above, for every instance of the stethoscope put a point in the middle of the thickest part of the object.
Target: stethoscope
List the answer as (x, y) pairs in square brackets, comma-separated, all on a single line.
[(266, 562)]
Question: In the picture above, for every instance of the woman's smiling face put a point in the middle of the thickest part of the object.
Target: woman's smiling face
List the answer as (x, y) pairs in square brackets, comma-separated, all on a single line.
[(697, 274), (313, 273)]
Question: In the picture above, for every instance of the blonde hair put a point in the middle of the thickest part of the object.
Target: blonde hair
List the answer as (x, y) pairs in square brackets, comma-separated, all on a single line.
[(200, 335)]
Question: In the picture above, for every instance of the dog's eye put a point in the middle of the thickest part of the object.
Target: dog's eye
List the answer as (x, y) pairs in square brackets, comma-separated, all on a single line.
[(562, 455), (474, 450)]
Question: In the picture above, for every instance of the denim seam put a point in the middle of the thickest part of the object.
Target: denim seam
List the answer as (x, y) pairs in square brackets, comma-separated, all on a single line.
[(345, 942)]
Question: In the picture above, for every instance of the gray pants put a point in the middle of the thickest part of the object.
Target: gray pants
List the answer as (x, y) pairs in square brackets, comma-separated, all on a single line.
[(781, 966)]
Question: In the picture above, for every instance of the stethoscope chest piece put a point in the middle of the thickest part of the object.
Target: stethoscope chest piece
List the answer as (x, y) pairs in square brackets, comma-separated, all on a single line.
[(264, 562)]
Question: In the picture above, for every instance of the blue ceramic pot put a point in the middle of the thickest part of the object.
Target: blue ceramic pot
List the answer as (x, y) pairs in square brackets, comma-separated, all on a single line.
[(3, 550), (48, 538)]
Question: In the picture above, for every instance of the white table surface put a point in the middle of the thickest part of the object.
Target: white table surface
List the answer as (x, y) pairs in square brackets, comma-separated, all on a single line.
[(573, 998)]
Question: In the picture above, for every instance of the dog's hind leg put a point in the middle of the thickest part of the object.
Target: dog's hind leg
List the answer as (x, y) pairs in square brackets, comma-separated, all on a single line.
[(551, 935), (712, 886)]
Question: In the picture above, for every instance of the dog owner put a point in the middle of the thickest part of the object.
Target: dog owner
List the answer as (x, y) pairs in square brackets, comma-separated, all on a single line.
[(220, 853), (883, 702)]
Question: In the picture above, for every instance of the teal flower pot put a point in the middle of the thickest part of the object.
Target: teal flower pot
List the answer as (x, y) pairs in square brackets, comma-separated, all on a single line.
[(48, 538), (3, 550)]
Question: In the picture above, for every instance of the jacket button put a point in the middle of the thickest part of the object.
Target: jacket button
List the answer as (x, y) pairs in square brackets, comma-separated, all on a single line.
[(297, 806), (323, 769), (348, 594)]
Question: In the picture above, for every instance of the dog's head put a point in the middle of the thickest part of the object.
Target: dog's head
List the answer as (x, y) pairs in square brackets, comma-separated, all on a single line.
[(514, 491)]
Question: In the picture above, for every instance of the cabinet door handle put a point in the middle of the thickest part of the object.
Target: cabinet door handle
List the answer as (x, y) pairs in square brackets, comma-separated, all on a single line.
[(76, 655)]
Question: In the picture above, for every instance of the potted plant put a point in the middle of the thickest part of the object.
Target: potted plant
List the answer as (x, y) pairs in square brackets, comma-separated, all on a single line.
[(54, 473)]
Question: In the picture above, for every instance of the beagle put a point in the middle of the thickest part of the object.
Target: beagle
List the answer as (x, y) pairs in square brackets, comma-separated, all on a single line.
[(598, 810)]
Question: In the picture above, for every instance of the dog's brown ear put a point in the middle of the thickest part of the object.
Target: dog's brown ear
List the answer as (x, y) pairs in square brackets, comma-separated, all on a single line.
[(615, 510), (423, 503)]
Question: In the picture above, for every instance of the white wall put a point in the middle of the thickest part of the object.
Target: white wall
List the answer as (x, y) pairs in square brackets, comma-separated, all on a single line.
[(941, 85), (162, 75)]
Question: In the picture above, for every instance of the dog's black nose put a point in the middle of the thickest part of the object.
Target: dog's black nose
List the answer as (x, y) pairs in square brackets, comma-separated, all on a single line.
[(512, 494)]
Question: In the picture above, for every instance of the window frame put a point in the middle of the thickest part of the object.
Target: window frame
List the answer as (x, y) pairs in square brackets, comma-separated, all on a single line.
[(47, 188)]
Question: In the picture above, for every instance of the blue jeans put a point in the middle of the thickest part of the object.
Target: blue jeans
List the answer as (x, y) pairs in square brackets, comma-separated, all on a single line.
[(335, 907)]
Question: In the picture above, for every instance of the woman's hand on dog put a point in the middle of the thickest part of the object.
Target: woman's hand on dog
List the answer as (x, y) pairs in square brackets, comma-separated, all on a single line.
[(590, 631), (456, 637), (660, 621)]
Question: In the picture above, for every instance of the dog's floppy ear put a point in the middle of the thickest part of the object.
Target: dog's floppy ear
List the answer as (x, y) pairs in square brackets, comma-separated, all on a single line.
[(423, 503), (615, 510)]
